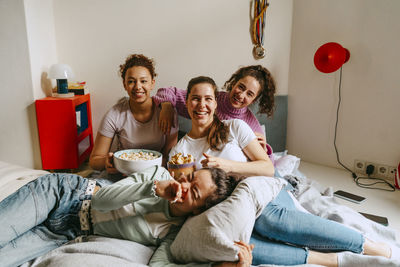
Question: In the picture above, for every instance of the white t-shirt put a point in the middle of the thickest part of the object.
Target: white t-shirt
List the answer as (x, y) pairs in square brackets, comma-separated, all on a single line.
[(240, 135), (120, 122)]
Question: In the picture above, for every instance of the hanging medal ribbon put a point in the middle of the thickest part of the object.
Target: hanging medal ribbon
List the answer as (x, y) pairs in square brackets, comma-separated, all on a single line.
[(260, 8)]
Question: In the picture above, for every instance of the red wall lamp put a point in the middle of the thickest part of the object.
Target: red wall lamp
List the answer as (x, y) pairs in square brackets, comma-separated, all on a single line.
[(330, 57)]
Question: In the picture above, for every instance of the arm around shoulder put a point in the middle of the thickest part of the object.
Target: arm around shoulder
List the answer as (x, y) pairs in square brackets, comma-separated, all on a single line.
[(169, 94), (177, 97), (260, 161)]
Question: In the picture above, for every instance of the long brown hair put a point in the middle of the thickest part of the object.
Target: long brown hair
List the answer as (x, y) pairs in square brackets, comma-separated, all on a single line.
[(226, 182), (218, 132), (266, 98)]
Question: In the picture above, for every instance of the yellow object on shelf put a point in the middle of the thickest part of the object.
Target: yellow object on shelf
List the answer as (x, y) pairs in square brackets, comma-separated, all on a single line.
[(77, 85), (78, 88)]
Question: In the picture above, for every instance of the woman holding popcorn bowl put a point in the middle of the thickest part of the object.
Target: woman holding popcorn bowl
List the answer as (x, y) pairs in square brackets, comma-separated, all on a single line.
[(133, 121)]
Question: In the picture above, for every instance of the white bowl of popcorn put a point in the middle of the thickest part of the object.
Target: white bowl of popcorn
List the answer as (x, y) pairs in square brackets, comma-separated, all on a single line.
[(129, 161)]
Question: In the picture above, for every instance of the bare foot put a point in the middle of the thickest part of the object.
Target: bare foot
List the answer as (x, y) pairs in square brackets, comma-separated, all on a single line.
[(377, 249), (387, 251)]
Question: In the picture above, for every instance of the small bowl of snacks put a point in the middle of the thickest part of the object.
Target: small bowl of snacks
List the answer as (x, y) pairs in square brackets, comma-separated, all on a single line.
[(180, 164), (129, 161)]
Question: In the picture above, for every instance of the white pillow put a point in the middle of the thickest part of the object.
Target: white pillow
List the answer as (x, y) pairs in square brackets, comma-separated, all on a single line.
[(12, 177), (210, 236)]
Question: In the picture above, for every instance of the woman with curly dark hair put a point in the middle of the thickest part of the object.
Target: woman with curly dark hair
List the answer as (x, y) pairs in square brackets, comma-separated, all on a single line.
[(246, 86), (134, 119), (266, 83)]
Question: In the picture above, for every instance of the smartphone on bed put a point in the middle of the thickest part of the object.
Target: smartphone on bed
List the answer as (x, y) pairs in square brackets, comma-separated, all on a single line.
[(349, 196), (379, 219)]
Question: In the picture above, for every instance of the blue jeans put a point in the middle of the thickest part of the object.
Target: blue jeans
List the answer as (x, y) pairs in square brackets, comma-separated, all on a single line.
[(40, 216), (282, 234)]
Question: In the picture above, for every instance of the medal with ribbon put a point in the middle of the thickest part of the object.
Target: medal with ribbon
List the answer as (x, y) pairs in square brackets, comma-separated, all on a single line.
[(260, 8)]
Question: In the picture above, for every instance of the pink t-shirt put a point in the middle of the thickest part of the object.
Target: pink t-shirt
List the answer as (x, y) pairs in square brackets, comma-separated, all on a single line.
[(130, 133)]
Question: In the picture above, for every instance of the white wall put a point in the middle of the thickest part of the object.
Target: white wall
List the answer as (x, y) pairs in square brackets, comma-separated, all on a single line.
[(42, 44), (186, 39), (369, 118), (17, 144), (27, 50), (189, 38)]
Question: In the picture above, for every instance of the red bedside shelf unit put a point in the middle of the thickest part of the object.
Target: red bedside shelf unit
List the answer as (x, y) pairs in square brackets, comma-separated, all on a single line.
[(65, 131)]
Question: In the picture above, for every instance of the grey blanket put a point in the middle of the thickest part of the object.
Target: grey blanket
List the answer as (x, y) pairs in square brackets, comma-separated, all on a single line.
[(95, 251)]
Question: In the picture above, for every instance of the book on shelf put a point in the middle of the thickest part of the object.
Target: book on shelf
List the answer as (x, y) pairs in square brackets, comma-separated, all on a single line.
[(78, 88)]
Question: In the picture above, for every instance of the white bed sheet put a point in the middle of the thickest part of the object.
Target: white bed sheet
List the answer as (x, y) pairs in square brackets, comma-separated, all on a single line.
[(13, 177)]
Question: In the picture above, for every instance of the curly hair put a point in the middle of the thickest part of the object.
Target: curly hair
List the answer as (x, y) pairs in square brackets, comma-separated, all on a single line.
[(137, 60), (263, 76), (218, 132), (225, 182)]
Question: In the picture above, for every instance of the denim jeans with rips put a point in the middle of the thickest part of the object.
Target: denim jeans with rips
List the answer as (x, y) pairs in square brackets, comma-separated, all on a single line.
[(41, 216)]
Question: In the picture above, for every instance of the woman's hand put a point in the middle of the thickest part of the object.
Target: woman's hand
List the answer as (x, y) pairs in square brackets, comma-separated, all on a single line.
[(170, 190), (166, 119), (245, 256), (109, 164), (262, 140), (216, 162)]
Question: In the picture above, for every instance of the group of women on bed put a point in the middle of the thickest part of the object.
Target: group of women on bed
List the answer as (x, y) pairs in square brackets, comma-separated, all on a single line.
[(49, 211)]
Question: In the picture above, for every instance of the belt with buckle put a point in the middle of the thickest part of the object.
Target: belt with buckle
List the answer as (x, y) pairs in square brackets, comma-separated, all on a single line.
[(84, 213)]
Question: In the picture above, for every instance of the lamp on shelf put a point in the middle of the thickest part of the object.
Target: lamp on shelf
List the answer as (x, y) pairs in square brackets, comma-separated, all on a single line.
[(61, 72), (330, 57)]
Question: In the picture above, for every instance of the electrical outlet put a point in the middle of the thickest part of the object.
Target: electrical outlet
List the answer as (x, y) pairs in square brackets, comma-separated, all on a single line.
[(391, 172), (359, 166), (375, 171), (382, 170)]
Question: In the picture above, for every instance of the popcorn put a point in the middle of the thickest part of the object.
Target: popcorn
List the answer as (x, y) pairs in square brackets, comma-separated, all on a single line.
[(181, 159), (179, 165), (138, 155)]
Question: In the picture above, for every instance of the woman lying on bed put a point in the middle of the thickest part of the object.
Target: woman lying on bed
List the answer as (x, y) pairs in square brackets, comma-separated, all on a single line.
[(246, 86), (228, 145), (54, 208), (134, 120)]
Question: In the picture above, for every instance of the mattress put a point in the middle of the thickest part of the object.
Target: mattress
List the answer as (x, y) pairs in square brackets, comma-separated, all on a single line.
[(13, 177)]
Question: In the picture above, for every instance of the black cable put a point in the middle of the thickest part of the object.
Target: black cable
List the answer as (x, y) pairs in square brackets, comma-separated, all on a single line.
[(336, 124), (354, 175), (377, 181)]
